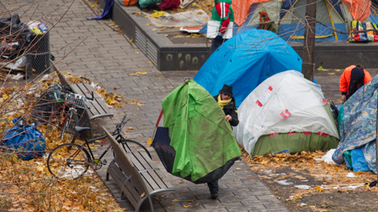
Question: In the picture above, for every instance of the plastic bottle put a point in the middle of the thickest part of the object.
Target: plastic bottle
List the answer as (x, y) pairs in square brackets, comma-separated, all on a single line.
[(43, 28)]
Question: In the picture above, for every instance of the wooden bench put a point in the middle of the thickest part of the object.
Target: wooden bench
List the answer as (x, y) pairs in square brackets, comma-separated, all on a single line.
[(136, 174), (97, 107)]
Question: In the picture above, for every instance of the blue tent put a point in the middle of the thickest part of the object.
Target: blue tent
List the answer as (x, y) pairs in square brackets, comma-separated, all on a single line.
[(246, 60)]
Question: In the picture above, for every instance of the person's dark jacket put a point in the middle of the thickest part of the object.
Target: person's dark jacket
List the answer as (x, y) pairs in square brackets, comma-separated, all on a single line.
[(230, 109)]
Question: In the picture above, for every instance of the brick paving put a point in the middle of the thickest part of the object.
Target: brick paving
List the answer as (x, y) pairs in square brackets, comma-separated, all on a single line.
[(94, 50)]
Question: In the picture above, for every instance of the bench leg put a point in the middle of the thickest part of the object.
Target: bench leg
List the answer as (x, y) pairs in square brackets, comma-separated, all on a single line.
[(107, 176), (141, 202), (123, 196)]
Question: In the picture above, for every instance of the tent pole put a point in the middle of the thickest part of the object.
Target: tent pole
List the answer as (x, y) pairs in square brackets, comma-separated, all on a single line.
[(308, 65)]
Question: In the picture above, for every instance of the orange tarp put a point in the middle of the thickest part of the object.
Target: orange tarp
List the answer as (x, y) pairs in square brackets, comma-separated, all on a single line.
[(241, 8), (360, 9)]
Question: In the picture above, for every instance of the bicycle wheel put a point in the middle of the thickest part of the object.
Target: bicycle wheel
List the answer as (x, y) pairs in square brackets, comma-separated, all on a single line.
[(69, 125), (128, 148), (68, 161)]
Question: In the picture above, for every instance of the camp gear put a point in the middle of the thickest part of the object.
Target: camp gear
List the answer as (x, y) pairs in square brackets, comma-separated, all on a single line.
[(333, 16), (246, 60), (196, 142), (25, 140), (286, 111), (358, 124)]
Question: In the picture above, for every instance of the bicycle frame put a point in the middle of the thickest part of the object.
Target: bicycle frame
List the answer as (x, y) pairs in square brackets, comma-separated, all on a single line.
[(116, 132), (54, 159)]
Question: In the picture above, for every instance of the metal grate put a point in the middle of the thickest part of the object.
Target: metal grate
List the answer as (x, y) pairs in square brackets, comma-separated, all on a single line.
[(39, 56), (146, 46)]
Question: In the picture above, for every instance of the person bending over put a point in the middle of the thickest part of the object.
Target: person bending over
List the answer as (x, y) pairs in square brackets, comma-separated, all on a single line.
[(353, 78)]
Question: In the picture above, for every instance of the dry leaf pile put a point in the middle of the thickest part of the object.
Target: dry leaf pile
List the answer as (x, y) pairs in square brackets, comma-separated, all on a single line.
[(110, 98), (27, 185), (304, 166)]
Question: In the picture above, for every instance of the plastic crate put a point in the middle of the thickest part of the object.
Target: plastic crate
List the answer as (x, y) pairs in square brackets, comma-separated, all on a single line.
[(38, 56)]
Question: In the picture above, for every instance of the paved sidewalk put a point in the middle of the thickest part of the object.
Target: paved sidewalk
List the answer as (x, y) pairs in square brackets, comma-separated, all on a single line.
[(94, 50)]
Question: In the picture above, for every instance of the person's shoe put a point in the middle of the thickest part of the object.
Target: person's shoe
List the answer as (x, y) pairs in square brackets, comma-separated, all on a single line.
[(214, 194)]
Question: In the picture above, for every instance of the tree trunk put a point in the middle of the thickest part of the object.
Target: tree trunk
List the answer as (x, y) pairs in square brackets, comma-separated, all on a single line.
[(308, 66)]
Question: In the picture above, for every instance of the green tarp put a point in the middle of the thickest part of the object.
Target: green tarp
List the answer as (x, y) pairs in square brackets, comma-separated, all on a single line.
[(202, 138)]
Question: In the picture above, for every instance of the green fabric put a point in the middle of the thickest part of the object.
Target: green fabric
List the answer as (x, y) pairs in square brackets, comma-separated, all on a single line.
[(295, 143), (202, 138), (215, 16), (348, 158), (146, 3), (340, 117)]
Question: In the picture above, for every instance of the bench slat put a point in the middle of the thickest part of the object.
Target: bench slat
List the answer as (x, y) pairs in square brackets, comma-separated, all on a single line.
[(97, 106), (143, 162), (121, 155), (120, 177), (148, 176), (62, 78), (95, 109), (143, 171)]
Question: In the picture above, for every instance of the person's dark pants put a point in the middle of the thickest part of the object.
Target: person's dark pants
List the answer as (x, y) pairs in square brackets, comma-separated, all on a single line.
[(217, 41), (213, 186)]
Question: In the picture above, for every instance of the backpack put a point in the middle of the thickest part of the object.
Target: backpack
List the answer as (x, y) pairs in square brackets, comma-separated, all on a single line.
[(25, 140), (128, 2), (46, 104)]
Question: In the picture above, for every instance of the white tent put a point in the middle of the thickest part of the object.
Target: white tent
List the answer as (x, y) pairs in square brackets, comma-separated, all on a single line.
[(285, 104)]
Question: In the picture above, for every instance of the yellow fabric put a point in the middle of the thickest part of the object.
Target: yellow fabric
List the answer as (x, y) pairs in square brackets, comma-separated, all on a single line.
[(223, 103)]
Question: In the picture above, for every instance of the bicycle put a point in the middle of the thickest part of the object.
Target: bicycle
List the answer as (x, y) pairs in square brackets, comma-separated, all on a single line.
[(65, 116), (70, 119), (71, 161)]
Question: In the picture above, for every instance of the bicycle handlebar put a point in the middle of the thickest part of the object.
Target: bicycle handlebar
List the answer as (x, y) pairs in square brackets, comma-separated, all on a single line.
[(119, 126)]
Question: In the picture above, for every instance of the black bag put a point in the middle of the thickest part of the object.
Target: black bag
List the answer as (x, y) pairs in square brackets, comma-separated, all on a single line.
[(335, 111), (167, 154), (47, 104)]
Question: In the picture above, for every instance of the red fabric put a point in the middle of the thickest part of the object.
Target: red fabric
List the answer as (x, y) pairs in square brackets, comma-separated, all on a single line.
[(169, 5), (129, 2), (222, 10), (345, 78), (241, 8), (359, 9)]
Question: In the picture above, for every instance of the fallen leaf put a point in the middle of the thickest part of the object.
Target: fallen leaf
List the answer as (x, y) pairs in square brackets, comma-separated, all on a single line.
[(318, 188), (142, 195), (149, 141)]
